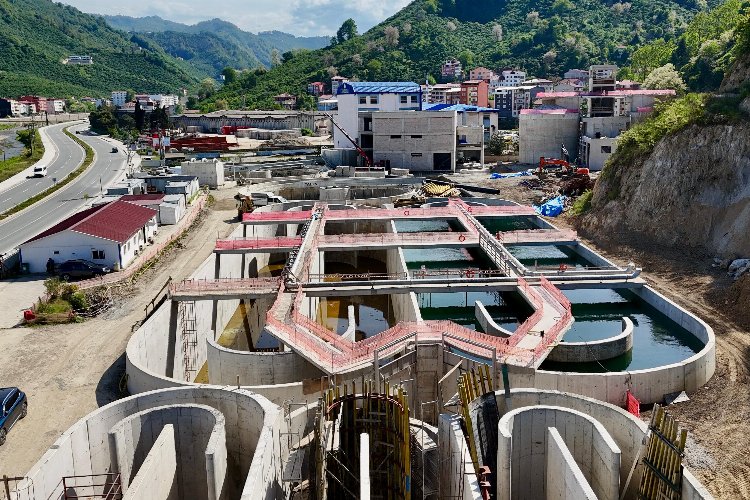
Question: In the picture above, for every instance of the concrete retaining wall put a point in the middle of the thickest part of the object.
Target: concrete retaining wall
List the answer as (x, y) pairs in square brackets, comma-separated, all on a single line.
[(156, 477), (200, 447), (564, 479), (597, 350), (626, 430), (522, 447), (487, 323), (649, 385), (457, 472), (257, 368), (84, 448), (405, 305)]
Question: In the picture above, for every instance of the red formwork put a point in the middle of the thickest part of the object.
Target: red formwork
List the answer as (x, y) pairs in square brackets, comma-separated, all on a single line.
[(257, 243), (251, 217)]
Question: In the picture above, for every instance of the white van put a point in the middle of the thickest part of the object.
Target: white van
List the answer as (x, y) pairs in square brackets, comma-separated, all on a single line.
[(40, 171)]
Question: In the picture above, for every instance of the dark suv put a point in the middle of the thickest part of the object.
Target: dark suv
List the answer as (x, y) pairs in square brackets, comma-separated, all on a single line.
[(13, 407), (81, 269)]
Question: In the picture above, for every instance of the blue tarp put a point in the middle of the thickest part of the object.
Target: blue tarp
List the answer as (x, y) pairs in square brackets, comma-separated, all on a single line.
[(552, 208), (525, 173)]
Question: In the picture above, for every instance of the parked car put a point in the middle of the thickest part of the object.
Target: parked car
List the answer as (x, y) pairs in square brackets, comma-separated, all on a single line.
[(80, 268), (115, 150), (14, 408), (40, 171)]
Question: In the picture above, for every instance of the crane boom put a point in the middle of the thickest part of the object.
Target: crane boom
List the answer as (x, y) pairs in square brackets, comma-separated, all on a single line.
[(361, 151)]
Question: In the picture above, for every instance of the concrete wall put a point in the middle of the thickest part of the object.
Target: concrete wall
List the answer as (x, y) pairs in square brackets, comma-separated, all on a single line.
[(257, 368), (544, 134), (84, 448), (522, 448), (626, 430), (457, 472), (598, 350), (156, 477), (200, 447), (410, 139), (649, 385), (405, 305), (487, 323), (564, 479)]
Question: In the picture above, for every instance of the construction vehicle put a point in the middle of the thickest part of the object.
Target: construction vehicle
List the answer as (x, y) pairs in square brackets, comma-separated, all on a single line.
[(244, 205), (368, 161), (561, 168)]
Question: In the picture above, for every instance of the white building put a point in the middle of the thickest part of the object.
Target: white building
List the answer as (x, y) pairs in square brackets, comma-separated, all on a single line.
[(512, 77), (165, 101), (577, 74), (210, 172), (57, 105), (86, 60), (112, 235), (369, 97), (119, 98), (444, 93)]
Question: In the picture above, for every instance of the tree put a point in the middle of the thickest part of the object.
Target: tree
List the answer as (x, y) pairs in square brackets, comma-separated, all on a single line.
[(533, 18), (497, 33), (374, 68), (562, 6), (665, 77), (103, 119), (207, 88), (451, 26), (357, 60), (229, 74), (549, 57), (139, 116), (347, 31), (192, 102), (467, 59), (391, 36), (275, 57)]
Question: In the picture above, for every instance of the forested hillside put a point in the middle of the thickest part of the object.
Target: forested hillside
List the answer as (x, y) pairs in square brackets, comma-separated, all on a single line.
[(544, 37), (225, 44)]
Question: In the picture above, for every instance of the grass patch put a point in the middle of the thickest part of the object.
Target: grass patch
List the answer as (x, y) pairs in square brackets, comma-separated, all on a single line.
[(88, 159), (8, 126), (583, 203), (12, 166)]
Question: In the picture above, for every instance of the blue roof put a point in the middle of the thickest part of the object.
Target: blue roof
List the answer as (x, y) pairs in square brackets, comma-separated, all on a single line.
[(461, 108), (378, 87)]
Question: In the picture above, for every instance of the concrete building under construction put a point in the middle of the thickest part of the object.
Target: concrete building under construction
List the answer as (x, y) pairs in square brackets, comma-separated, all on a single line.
[(463, 349)]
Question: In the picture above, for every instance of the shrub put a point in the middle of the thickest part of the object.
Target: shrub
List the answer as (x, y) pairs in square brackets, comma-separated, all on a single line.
[(53, 286), (583, 203), (307, 132), (79, 301)]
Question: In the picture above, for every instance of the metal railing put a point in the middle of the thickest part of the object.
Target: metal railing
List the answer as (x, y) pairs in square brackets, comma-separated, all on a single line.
[(221, 284), (257, 243), (301, 215), (106, 486)]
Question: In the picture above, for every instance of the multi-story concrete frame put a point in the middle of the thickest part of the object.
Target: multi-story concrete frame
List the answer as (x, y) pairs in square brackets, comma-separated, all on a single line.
[(369, 97)]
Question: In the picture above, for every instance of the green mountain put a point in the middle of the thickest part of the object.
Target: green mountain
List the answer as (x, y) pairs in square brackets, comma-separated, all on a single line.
[(37, 36), (216, 44), (703, 52), (544, 37)]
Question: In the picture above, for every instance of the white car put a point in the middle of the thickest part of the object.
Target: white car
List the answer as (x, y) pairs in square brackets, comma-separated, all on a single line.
[(40, 171)]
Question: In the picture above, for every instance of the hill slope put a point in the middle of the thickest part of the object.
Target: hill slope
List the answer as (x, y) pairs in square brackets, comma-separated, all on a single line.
[(227, 44), (544, 37), (36, 36)]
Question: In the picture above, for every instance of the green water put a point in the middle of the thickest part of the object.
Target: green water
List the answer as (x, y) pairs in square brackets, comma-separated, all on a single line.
[(431, 226), (657, 340), (447, 258), (508, 309), (547, 255), (506, 223), (373, 314)]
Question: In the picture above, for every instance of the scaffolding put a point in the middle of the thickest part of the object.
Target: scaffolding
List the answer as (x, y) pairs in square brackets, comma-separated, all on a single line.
[(342, 417), (189, 335)]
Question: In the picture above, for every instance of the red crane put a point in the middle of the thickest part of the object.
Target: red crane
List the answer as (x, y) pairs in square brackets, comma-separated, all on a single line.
[(361, 151)]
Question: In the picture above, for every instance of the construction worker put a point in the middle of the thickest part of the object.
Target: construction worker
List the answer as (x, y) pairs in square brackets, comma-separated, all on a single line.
[(50, 266)]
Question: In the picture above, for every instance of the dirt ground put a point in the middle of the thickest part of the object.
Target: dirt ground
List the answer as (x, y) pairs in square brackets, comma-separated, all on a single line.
[(718, 415), (68, 371)]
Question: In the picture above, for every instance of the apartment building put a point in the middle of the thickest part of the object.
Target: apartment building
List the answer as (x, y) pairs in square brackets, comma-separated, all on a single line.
[(119, 98), (482, 73), (475, 93), (444, 93), (451, 68), (512, 77), (84, 60)]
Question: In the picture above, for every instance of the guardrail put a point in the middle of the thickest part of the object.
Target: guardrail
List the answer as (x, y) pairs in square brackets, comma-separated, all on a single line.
[(229, 284), (256, 243)]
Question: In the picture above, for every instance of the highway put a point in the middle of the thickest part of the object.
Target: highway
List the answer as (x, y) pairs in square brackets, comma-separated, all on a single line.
[(68, 156), (107, 168)]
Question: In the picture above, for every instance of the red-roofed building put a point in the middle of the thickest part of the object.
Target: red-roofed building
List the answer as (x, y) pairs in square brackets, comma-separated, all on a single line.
[(112, 235)]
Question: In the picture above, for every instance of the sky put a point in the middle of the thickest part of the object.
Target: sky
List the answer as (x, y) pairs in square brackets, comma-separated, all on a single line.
[(299, 17)]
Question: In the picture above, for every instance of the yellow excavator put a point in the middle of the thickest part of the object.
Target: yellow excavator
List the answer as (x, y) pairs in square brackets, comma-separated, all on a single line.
[(244, 205)]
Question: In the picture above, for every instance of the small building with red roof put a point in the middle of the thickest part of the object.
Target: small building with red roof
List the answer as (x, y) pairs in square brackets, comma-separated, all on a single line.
[(111, 235)]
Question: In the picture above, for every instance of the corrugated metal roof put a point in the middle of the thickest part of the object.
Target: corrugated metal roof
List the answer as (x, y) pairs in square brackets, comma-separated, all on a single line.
[(378, 87), (459, 107), (116, 221)]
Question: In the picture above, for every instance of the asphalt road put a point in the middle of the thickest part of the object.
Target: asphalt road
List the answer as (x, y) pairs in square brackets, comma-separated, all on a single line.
[(68, 156), (107, 167)]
